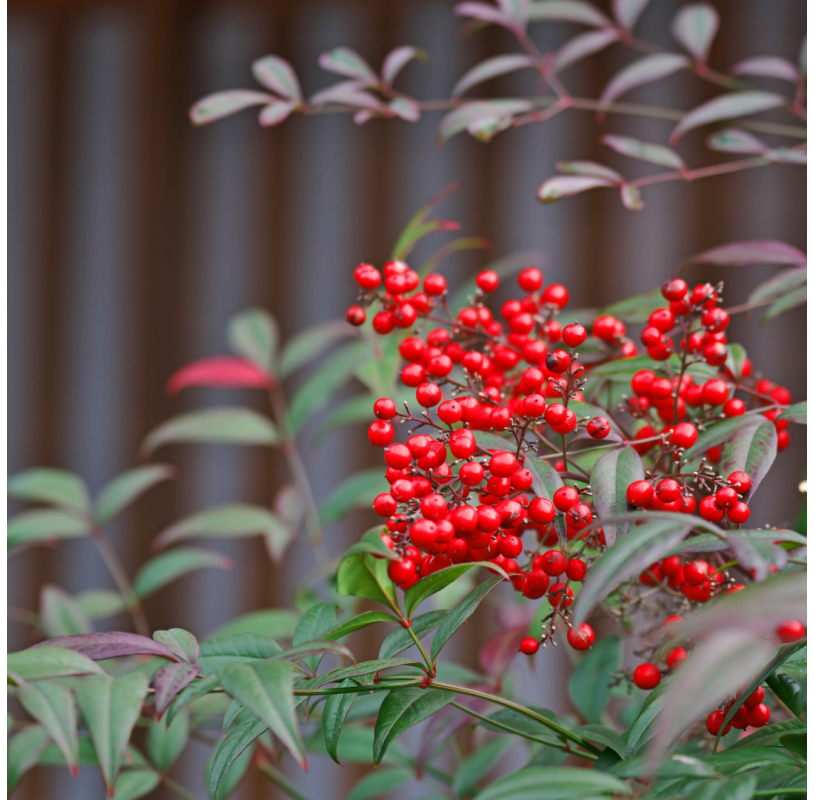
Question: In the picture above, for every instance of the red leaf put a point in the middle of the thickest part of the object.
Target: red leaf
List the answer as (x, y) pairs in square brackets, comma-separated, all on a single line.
[(222, 371)]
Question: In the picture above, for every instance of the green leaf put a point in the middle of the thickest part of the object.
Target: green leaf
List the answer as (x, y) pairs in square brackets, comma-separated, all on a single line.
[(274, 623), (694, 27), (322, 387), (460, 614), (60, 615), (716, 434), (402, 709), (110, 708), (780, 283), (371, 542), (725, 106), (653, 154), (318, 620), (795, 413), (635, 310), (477, 765), (356, 409), (24, 751), (419, 226), (770, 735), (38, 663), (266, 690), (53, 486), (32, 527), (363, 668), (127, 487), (398, 640), (230, 521), (238, 738), (751, 448), (310, 343), (363, 575), (359, 621), (179, 642), (253, 334), (546, 481), (99, 603), (611, 476), (379, 783), (335, 711), (792, 299), (554, 783), (630, 555), (136, 783), (589, 685), (238, 649), (435, 582), (642, 728), (603, 735), (193, 691), (165, 744), (53, 706), (162, 570), (220, 425), (358, 491)]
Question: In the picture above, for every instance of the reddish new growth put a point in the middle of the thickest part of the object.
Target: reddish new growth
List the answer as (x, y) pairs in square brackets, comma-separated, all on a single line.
[(459, 494)]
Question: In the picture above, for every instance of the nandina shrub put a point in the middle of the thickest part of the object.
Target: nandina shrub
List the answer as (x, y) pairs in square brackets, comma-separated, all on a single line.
[(599, 467)]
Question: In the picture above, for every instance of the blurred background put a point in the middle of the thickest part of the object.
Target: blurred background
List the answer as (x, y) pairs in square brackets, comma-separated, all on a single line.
[(133, 237)]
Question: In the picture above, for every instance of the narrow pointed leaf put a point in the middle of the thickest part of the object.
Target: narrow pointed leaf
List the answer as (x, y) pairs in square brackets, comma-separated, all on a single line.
[(752, 449), (357, 622), (568, 11), (253, 334), (110, 644), (460, 614), (715, 434), (726, 106), (630, 555), (165, 744), (796, 413), (589, 687), (644, 151), (180, 642), (554, 783), (110, 708), (60, 615), (644, 726), (627, 12), (100, 603), (355, 671), (240, 737), (398, 640), (694, 27), (767, 67), (491, 68), (756, 251), (24, 751), (53, 706), (363, 575), (397, 60), (582, 46), (437, 581), (402, 709), (278, 75), (275, 113), (223, 425), (266, 690), (310, 343), (227, 372), (243, 648), (162, 570), (567, 185), (221, 104), (733, 140), (344, 61), (54, 486), (779, 284), (335, 711), (48, 661), (371, 542), (646, 70), (476, 766), (467, 114), (611, 476), (168, 681), (484, 12), (792, 299), (32, 527), (126, 488), (590, 169)]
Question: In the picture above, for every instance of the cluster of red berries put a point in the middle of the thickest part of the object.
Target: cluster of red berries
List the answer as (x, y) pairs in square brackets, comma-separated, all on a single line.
[(457, 497)]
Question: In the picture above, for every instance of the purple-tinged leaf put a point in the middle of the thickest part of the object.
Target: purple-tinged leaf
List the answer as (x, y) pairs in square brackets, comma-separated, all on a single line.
[(756, 555), (468, 114), (590, 169), (491, 68), (787, 155), (627, 12), (726, 106), (767, 67), (275, 113), (733, 140), (397, 60), (694, 27), (278, 75), (517, 10), (567, 185), (779, 284), (610, 478), (180, 642), (755, 251), (110, 644), (568, 11), (169, 680), (221, 104), (344, 61), (644, 151), (583, 45), (645, 70), (752, 449), (405, 108), (485, 13), (347, 93)]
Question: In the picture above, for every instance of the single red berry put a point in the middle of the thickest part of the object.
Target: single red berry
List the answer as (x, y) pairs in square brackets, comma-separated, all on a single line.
[(668, 490), (605, 328), (433, 506), (598, 428), (676, 657), (553, 563), (419, 444), (510, 546), (684, 435), (529, 646), (715, 392), (727, 497), (380, 433), (740, 481), (671, 620), (674, 289), (557, 295), (530, 279), (569, 423), (401, 571), (781, 395), (450, 412), (503, 464), (576, 569), (367, 276), (646, 676), (555, 414), (715, 354), (716, 319), (565, 497), (383, 322), (558, 361), (541, 510), (440, 366), (487, 281), (403, 490), (672, 566), (662, 319), (581, 638), (651, 336), (783, 439), (639, 494), (557, 596), (714, 723), (412, 375), (385, 505), (790, 631), (574, 335), (578, 517), (758, 715), (661, 389), (355, 315), (534, 406), (384, 408), (522, 479), (435, 284), (462, 443), (428, 395), (734, 407), (398, 455), (696, 572), (710, 510), (404, 316)]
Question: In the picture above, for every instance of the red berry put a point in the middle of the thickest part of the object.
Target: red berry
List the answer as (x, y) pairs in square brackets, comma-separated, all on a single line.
[(398, 456), (553, 563), (790, 631), (529, 646), (781, 395), (646, 676), (674, 289), (783, 439), (710, 510), (385, 505), (662, 319), (569, 423), (668, 490), (541, 511), (715, 354), (558, 361), (671, 620), (639, 494), (714, 723), (726, 497), (576, 569), (522, 480), (715, 392), (715, 319), (578, 517), (696, 572), (565, 497), (412, 375), (605, 328), (555, 414), (557, 597), (676, 657), (367, 276), (440, 366), (557, 295), (598, 428), (758, 715), (356, 315), (401, 571), (380, 433), (530, 279), (581, 638), (487, 281), (428, 395), (403, 317), (510, 546), (503, 464), (534, 406), (435, 284), (450, 412), (462, 443), (736, 587), (734, 407), (419, 444), (684, 435), (574, 335)]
